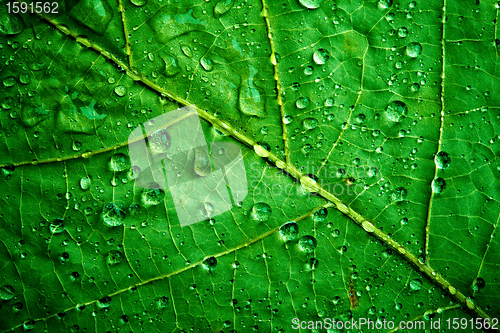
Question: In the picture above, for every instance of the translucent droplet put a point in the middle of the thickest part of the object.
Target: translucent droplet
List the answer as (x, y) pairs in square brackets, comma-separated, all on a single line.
[(321, 56), (438, 185), (162, 302), (209, 263), (120, 91), (415, 87), (114, 257), (307, 244), (56, 226), (77, 145), (289, 231), (261, 211), (9, 81), (320, 214), (6, 292), (85, 183), (104, 302), (308, 70), (207, 210), (311, 4), (152, 197), (24, 79), (222, 7), (159, 141), (11, 24), (396, 110), (302, 102), (399, 194), (384, 4), (28, 325), (202, 162), (287, 119), (119, 162), (402, 32), (310, 123), (413, 49), (329, 102), (415, 284), (171, 67), (138, 3), (312, 264), (442, 160), (478, 284), (112, 215), (187, 51), (207, 64)]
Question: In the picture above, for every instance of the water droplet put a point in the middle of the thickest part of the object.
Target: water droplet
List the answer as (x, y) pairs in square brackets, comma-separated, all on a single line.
[(438, 185), (402, 32), (159, 141), (312, 264), (85, 183), (207, 64), (11, 24), (57, 226), (415, 284), (321, 56), (415, 87), (329, 102), (289, 231), (442, 160), (261, 211), (112, 215), (222, 7), (28, 325), (308, 70), (384, 4), (307, 244), (320, 214), (311, 4), (207, 210), (310, 123), (104, 302), (399, 194), (162, 302), (201, 163), (114, 257), (95, 14), (413, 49), (6, 292), (187, 51), (138, 3), (9, 81), (396, 110), (76, 146), (171, 67), (152, 197), (478, 284), (120, 91), (119, 162), (209, 263), (287, 119), (302, 102)]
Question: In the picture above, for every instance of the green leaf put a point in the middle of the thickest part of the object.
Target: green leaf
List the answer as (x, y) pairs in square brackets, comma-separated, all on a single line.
[(369, 133)]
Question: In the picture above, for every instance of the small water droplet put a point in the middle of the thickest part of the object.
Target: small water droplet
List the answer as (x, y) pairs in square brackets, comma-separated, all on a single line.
[(402, 32), (478, 284), (384, 4), (6, 292), (308, 70), (289, 231), (399, 194), (120, 90), (201, 162), (159, 141), (222, 7), (85, 183), (209, 263), (329, 102), (310, 123), (138, 3), (396, 110), (207, 64), (119, 162), (302, 102), (104, 302), (320, 214), (56, 226), (287, 119), (114, 257), (413, 49), (112, 215), (307, 244), (187, 51), (442, 160), (321, 56), (415, 284), (152, 197), (261, 211), (311, 4), (9, 81), (438, 185)]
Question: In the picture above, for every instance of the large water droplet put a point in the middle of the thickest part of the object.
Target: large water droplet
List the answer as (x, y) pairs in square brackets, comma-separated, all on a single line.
[(120, 91), (57, 226), (209, 263), (384, 4), (310, 123), (442, 160), (307, 244), (261, 211), (329, 102), (6, 292), (187, 51), (95, 14), (415, 284), (311, 4), (159, 141), (85, 183), (114, 257), (321, 56), (112, 215), (478, 284), (320, 214), (413, 49), (10, 24), (396, 110), (207, 64), (302, 102), (9, 81), (28, 325), (138, 3), (152, 197), (289, 231), (222, 7), (104, 302), (399, 194), (171, 67), (438, 185), (201, 163), (119, 162)]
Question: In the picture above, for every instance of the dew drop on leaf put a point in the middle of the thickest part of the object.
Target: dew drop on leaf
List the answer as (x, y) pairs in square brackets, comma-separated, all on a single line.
[(320, 214), (207, 210), (120, 91), (187, 51), (302, 102), (442, 160), (152, 197), (209, 263), (415, 284), (28, 325), (201, 163), (289, 231), (311, 4), (261, 211), (415, 87), (329, 102), (395, 110), (85, 183), (310, 123), (321, 56), (413, 49), (222, 7), (138, 3), (114, 257), (399, 194), (112, 215), (312, 264), (119, 162), (478, 284), (159, 141), (308, 70), (384, 4), (56, 226), (171, 67), (402, 32), (104, 302), (162, 302), (287, 119), (307, 244), (438, 185), (10, 24), (207, 64), (6, 292), (9, 81)]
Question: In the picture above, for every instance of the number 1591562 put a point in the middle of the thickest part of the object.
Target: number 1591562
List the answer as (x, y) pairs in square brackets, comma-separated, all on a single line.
[(33, 7)]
